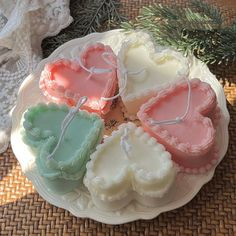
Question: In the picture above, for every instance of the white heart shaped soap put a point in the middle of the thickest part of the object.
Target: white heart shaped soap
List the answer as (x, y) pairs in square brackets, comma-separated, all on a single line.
[(144, 69), (117, 175)]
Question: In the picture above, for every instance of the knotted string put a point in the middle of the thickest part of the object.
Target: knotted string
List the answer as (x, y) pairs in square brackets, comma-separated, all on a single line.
[(124, 83), (125, 74), (67, 120), (178, 119), (95, 70), (92, 70), (124, 143)]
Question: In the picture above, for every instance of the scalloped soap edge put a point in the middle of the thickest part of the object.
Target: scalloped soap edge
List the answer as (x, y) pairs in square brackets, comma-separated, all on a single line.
[(145, 39), (98, 126), (112, 82), (203, 169), (90, 176), (61, 95), (164, 134)]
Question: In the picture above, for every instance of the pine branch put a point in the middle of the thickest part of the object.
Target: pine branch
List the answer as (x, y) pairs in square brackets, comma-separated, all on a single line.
[(212, 12), (89, 16), (96, 13), (196, 30), (96, 17)]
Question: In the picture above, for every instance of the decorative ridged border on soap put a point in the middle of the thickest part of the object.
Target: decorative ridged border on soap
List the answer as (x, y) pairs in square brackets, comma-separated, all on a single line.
[(111, 85), (59, 93), (144, 38), (203, 169), (94, 183), (164, 134), (215, 154), (131, 212), (216, 116), (46, 135)]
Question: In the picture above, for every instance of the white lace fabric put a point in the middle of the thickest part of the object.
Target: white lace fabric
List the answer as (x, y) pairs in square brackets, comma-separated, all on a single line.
[(23, 26)]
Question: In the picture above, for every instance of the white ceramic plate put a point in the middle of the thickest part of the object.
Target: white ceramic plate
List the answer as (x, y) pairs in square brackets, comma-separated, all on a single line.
[(78, 202)]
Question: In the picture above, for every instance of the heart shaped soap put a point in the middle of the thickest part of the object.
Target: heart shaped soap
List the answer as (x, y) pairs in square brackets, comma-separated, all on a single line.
[(42, 129), (65, 81), (190, 141), (147, 69), (114, 178)]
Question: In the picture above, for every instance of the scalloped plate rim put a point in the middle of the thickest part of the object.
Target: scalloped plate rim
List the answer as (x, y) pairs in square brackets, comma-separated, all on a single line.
[(106, 218)]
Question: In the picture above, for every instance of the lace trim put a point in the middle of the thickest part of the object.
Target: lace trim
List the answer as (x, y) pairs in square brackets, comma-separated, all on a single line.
[(23, 26)]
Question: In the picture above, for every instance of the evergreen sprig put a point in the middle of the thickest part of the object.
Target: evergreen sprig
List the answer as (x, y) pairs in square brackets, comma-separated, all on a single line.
[(95, 14), (199, 29), (89, 16)]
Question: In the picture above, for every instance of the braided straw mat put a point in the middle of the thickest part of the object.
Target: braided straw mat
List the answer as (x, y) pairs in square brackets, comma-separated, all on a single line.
[(211, 212)]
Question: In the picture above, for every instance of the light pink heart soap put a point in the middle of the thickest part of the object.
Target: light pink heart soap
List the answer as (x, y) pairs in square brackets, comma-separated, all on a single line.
[(191, 141), (65, 81)]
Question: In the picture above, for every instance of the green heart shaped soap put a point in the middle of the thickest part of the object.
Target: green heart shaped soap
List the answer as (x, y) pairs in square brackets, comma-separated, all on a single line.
[(65, 169)]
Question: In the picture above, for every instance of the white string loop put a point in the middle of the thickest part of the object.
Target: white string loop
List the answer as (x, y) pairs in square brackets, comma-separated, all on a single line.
[(92, 70), (65, 123), (95, 70), (181, 118), (105, 59), (125, 75)]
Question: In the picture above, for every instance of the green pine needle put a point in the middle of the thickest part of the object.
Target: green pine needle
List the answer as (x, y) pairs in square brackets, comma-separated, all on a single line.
[(212, 12), (199, 29), (89, 16)]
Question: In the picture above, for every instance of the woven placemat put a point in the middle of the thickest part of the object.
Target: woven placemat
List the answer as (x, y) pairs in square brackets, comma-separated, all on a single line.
[(211, 212)]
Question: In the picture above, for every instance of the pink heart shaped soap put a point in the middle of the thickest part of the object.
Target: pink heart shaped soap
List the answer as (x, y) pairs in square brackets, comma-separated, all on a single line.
[(65, 81), (190, 141)]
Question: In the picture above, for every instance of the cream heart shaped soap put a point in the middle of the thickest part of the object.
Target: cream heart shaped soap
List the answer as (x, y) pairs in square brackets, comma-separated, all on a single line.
[(190, 141), (42, 129), (147, 69), (114, 178), (65, 81)]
